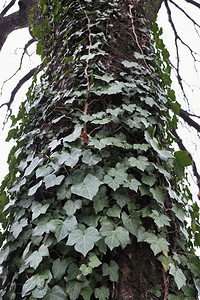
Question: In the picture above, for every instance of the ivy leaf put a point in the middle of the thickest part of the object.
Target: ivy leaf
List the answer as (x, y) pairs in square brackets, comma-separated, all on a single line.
[(17, 186), (178, 275), (132, 184), (71, 206), (86, 293), (43, 171), (141, 162), (114, 211), (115, 236), (157, 244), (102, 293), (76, 133), (88, 188), (100, 200), (73, 288), (129, 64), (62, 228), (131, 223), (34, 188), (37, 256), (183, 159), (17, 227), (70, 159), (35, 162), (56, 293), (158, 194), (164, 154), (111, 270), (51, 180), (35, 281), (94, 262), (179, 211), (161, 220), (113, 183), (148, 180), (38, 209), (59, 267), (90, 159), (83, 240)]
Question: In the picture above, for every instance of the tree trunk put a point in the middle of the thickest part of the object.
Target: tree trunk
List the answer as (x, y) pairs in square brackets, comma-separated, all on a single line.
[(92, 211)]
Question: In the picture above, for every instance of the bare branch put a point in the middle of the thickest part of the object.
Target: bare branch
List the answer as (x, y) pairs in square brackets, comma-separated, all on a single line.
[(21, 60), (16, 89), (177, 39), (182, 148), (6, 9), (193, 3), (16, 20), (186, 117)]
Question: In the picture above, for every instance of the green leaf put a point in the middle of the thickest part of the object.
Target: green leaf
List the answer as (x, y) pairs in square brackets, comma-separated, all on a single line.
[(56, 293), (34, 188), (166, 261), (17, 186), (38, 209), (111, 270), (131, 223), (76, 133), (94, 262), (83, 240), (114, 211), (38, 283), (178, 275), (17, 227), (158, 194), (59, 267), (129, 64), (102, 293), (90, 159), (161, 220), (88, 188), (113, 183), (148, 180), (115, 236), (70, 159), (43, 171), (51, 180), (179, 212), (132, 184), (73, 289), (183, 159), (85, 269), (62, 228), (86, 293), (37, 256), (164, 154), (71, 206), (141, 162), (157, 244), (35, 162), (100, 200)]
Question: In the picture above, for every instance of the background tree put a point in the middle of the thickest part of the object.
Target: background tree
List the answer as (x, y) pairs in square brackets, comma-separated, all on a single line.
[(95, 197)]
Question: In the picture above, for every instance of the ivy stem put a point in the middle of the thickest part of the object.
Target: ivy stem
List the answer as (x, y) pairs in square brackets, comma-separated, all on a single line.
[(130, 15)]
